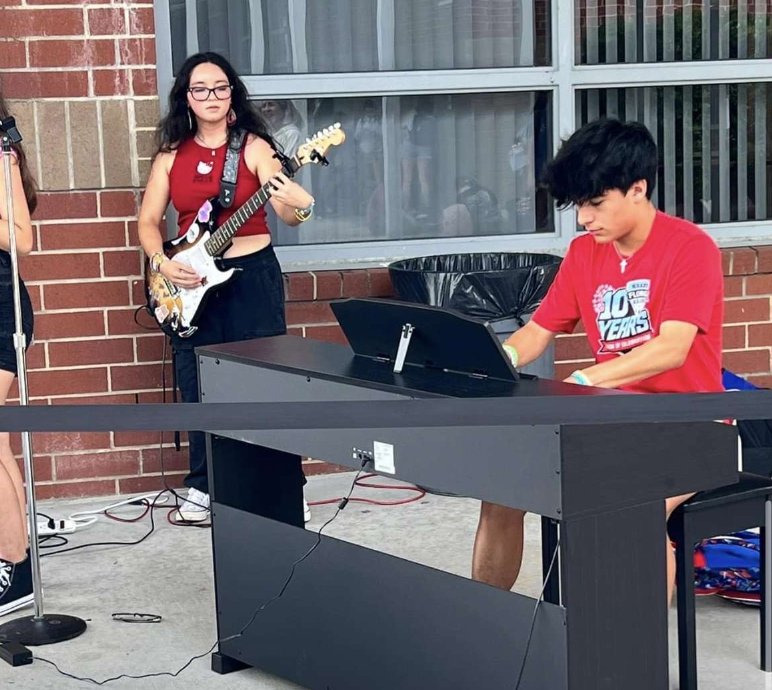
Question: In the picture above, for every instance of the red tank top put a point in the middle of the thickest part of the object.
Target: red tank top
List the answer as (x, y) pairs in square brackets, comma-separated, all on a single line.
[(195, 178)]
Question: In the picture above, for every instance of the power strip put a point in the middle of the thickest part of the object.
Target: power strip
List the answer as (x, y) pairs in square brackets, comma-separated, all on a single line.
[(60, 527)]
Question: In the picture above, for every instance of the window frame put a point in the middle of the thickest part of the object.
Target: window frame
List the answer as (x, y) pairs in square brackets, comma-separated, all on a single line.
[(563, 80)]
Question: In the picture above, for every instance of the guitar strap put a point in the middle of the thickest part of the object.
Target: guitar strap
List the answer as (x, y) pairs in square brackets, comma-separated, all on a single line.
[(230, 171)]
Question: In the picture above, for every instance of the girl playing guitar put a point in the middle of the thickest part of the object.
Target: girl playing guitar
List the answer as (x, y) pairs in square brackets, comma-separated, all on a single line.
[(206, 102)]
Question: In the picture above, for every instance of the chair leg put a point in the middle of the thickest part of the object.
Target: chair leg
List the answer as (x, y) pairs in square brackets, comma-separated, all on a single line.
[(765, 577), (687, 623)]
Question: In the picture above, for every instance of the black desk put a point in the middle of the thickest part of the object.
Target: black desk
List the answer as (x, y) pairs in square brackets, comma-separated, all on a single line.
[(355, 618)]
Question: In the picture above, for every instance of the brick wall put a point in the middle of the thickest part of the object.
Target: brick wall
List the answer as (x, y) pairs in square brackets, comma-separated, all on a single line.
[(82, 84)]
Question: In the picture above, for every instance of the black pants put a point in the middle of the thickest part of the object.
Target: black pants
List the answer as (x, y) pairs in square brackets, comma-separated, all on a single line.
[(250, 306)]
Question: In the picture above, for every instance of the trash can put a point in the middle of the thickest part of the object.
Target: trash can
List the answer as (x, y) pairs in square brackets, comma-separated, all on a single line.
[(503, 289)]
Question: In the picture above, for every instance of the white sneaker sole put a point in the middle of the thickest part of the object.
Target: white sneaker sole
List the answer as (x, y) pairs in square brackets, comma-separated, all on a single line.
[(16, 604), (193, 516)]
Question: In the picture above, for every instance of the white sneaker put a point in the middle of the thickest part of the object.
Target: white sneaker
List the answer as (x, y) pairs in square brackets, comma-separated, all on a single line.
[(196, 507), (306, 511)]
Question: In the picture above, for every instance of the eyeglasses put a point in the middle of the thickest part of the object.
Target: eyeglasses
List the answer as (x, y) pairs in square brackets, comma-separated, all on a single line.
[(201, 93)]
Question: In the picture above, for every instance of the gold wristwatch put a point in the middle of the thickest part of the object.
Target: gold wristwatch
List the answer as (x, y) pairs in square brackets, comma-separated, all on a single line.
[(156, 260)]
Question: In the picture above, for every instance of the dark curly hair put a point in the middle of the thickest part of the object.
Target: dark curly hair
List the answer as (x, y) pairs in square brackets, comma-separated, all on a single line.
[(27, 181), (174, 128)]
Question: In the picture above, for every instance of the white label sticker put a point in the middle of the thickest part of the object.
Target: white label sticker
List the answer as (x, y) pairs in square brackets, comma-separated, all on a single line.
[(383, 457)]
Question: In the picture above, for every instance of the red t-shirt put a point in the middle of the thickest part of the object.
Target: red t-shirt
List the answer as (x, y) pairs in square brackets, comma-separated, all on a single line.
[(675, 276)]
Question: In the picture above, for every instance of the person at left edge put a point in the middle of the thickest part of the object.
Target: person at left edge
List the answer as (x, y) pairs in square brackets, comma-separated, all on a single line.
[(206, 102)]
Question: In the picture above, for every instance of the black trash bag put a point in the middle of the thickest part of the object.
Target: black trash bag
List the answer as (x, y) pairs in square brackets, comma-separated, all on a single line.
[(488, 286)]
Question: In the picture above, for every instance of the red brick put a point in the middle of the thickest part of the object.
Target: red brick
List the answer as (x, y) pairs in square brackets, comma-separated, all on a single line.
[(68, 382), (329, 285), (106, 21), (77, 53), (101, 487), (151, 349), (138, 376), (125, 263), (48, 22), (60, 267), (296, 331), (765, 259), (139, 438), (88, 465), (12, 55), (315, 467), (122, 399), (309, 312), (111, 82), (145, 82), (112, 204), (82, 324), (36, 297), (70, 205), (734, 337), (572, 348), (64, 2), (153, 397), (356, 283), (747, 362), (760, 335), (743, 261), (82, 235), (141, 20), (173, 460), (738, 311), (136, 51), (133, 229), (59, 442), (36, 357), (43, 466), (83, 352), (299, 286), (81, 296), (330, 334), (59, 84), (726, 261), (733, 286), (761, 381), (759, 284), (10, 2), (380, 283), (138, 296), (121, 322), (136, 485)]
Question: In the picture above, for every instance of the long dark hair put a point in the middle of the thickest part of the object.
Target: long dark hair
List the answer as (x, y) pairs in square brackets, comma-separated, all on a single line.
[(27, 181), (175, 128)]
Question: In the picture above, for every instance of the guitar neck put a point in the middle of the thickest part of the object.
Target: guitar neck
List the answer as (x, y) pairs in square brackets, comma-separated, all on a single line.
[(222, 237)]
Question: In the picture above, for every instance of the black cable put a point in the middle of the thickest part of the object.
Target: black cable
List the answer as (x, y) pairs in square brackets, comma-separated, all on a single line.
[(136, 320), (113, 543), (43, 541), (262, 608), (535, 611)]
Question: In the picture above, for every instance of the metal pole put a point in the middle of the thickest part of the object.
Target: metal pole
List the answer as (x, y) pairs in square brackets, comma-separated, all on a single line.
[(20, 344), (37, 629)]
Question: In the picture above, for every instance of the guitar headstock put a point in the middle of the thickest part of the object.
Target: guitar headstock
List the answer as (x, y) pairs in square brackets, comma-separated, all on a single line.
[(315, 148)]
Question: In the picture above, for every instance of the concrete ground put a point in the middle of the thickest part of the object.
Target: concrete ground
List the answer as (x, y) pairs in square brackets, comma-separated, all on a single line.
[(171, 574)]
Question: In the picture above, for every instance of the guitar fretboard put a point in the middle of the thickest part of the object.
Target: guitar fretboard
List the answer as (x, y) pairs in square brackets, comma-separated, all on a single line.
[(224, 234)]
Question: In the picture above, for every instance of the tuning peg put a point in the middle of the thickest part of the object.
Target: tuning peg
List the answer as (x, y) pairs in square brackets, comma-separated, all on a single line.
[(337, 125), (326, 131), (318, 135), (308, 140)]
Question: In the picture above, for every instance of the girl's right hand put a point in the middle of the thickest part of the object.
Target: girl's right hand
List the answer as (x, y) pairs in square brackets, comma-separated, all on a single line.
[(180, 274)]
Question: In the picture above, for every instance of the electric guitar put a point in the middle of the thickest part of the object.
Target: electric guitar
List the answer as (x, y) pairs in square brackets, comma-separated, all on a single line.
[(177, 309)]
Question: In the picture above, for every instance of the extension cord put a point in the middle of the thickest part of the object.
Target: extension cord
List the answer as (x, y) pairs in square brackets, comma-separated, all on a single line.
[(60, 527)]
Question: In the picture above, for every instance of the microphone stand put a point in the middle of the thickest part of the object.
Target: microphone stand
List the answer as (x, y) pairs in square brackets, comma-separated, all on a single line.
[(39, 629)]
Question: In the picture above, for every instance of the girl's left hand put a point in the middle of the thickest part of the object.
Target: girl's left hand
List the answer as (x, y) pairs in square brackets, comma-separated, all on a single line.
[(288, 192)]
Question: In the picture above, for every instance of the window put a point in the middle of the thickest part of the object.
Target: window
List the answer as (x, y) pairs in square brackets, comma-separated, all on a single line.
[(420, 166), (714, 145), (452, 107), (313, 36), (666, 31)]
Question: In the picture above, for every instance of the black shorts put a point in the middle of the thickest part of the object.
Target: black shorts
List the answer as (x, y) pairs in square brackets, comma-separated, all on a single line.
[(7, 320)]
